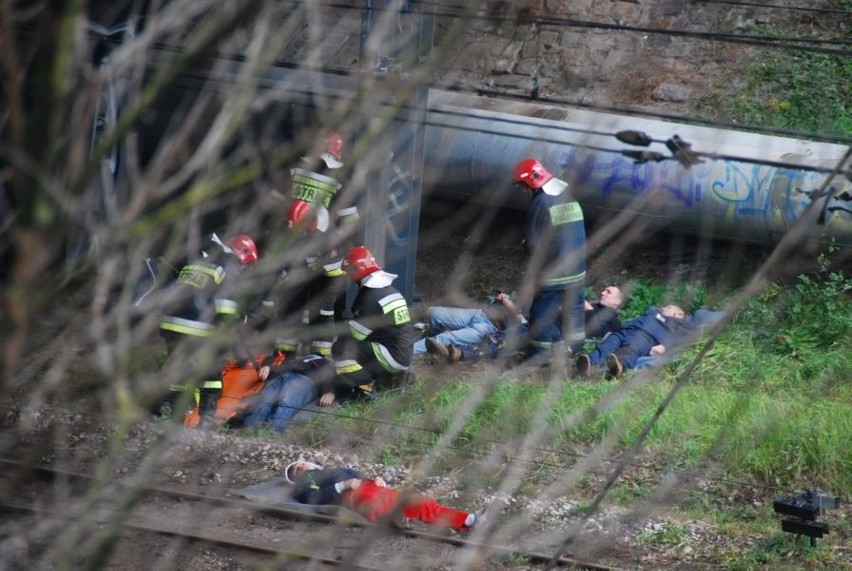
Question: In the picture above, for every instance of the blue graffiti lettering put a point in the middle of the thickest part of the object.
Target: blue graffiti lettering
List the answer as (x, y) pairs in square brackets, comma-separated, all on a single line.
[(617, 174)]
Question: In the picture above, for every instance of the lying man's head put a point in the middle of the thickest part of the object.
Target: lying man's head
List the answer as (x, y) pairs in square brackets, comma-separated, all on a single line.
[(611, 296), (296, 469), (673, 311)]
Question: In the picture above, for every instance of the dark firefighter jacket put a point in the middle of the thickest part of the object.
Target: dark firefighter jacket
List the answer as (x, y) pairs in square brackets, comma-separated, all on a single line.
[(380, 315), (203, 300), (556, 236)]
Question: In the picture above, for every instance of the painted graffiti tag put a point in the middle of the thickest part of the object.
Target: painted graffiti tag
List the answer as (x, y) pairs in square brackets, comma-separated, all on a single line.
[(616, 174)]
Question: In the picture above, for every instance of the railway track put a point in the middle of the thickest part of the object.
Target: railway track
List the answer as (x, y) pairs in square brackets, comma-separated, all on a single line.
[(227, 509)]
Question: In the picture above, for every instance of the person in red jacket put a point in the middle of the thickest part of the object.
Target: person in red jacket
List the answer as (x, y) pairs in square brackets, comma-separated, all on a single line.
[(371, 498)]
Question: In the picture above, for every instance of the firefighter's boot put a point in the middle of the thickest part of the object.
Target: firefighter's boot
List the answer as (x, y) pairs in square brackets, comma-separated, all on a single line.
[(207, 408)]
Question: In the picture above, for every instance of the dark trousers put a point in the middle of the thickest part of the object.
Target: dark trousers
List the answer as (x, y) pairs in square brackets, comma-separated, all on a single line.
[(628, 344), (557, 315)]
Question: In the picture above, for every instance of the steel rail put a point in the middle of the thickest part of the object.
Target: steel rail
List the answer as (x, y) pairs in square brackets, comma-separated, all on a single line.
[(47, 473), (209, 538)]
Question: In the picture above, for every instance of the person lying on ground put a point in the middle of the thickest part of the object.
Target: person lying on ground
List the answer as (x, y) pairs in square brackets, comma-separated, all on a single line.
[(289, 388), (456, 327), (601, 317), (648, 335), (371, 498)]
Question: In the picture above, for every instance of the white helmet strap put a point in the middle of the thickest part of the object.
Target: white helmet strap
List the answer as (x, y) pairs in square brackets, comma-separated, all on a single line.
[(216, 240)]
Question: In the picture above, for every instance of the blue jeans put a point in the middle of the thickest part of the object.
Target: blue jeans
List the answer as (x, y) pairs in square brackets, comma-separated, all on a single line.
[(282, 397), (458, 326)]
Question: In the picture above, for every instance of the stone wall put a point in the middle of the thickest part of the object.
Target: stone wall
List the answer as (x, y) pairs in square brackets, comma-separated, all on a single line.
[(605, 53)]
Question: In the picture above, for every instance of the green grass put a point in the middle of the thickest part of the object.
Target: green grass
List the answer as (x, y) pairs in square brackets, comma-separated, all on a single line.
[(768, 403), (765, 411), (797, 90), (769, 427), (689, 296)]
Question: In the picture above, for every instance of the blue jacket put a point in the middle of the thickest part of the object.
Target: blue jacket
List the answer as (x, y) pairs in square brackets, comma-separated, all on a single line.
[(657, 328), (317, 487)]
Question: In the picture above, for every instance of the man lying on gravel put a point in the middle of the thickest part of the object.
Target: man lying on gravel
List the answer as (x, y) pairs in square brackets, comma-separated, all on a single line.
[(371, 498)]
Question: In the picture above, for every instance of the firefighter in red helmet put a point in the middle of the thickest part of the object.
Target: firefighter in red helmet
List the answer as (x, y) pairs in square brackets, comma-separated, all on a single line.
[(318, 226), (243, 247), (316, 187), (378, 353), (556, 241), (205, 300)]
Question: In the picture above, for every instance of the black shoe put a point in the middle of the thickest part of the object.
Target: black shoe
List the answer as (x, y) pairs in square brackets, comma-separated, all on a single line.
[(614, 366), (436, 348), (582, 366)]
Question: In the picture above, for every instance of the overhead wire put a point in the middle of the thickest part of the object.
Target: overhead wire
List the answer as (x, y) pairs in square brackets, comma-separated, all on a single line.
[(782, 42), (564, 101), (777, 7), (685, 119), (773, 7), (200, 82)]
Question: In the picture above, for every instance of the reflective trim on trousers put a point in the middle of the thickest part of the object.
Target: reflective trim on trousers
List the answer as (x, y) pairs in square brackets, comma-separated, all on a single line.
[(187, 327), (565, 280), (226, 306), (386, 359)]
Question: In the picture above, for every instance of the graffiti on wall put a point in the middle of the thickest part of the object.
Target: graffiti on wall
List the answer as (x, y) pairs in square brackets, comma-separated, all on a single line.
[(735, 192)]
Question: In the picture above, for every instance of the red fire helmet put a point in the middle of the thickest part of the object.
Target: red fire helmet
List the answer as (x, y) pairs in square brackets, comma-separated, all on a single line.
[(531, 173), (334, 145), (359, 263), (301, 215), (244, 248)]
